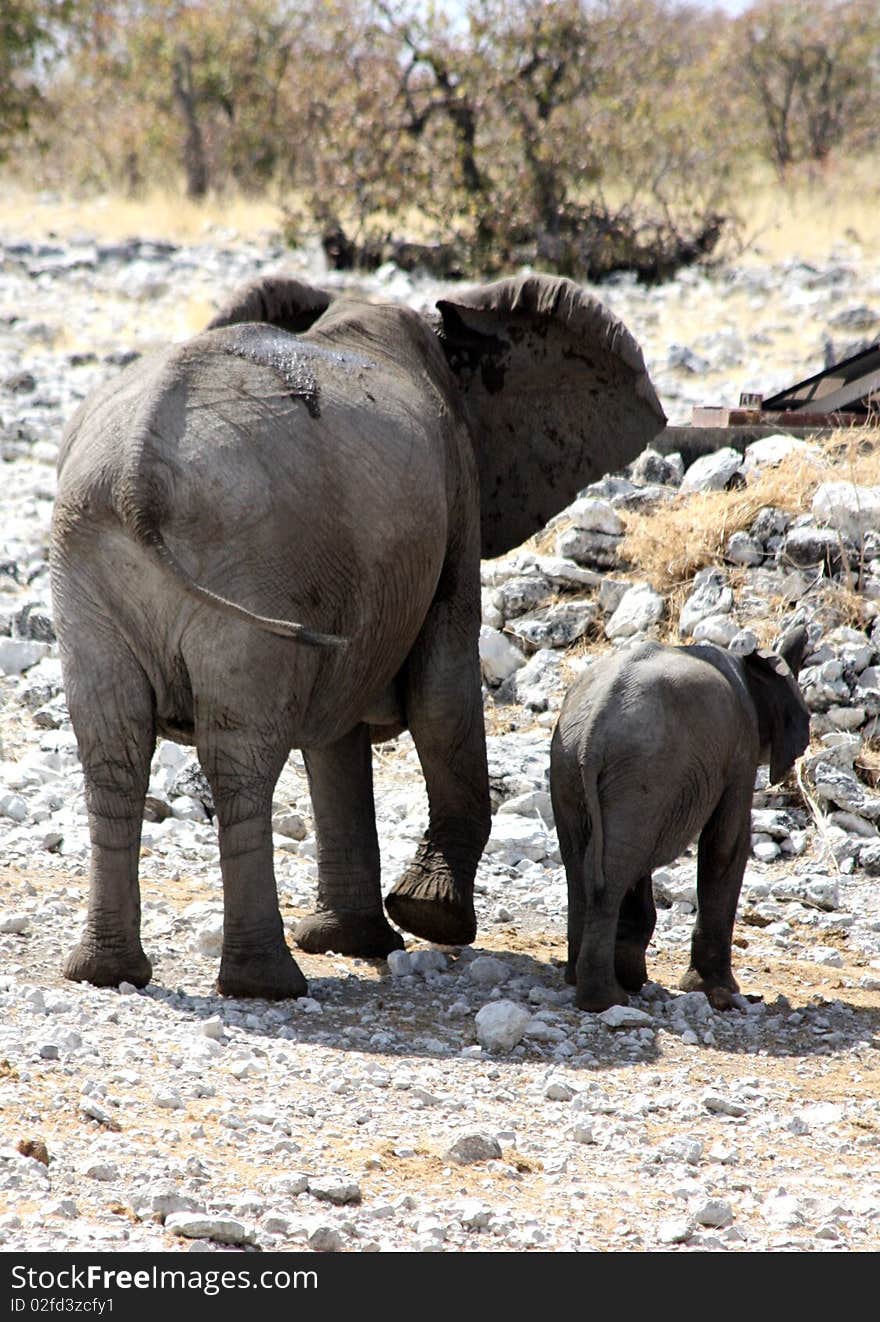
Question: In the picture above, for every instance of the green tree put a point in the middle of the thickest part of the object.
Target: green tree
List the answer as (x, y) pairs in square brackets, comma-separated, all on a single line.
[(812, 73), (29, 32)]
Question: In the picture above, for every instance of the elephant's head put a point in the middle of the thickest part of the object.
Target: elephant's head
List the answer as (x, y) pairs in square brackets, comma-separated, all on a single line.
[(557, 393), (783, 716), (553, 386)]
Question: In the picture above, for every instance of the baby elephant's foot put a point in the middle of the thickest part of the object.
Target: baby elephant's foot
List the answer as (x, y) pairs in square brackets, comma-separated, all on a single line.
[(347, 932), (719, 991), (272, 974), (430, 903), (630, 966), (107, 964), (598, 998)]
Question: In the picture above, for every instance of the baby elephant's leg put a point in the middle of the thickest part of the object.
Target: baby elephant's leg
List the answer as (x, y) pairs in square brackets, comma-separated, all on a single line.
[(635, 927), (595, 976), (721, 860)]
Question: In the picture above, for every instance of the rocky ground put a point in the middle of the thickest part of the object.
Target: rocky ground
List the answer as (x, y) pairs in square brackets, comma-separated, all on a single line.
[(455, 1099)]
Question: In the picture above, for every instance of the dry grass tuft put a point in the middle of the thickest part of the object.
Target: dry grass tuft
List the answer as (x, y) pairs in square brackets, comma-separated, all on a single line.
[(671, 543), (867, 763)]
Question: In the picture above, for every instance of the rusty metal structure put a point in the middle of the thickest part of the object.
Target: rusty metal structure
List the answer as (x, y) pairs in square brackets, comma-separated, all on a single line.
[(847, 394)]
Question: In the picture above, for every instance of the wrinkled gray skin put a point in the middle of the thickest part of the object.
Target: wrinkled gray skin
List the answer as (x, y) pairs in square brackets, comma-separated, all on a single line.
[(269, 537), (652, 748)]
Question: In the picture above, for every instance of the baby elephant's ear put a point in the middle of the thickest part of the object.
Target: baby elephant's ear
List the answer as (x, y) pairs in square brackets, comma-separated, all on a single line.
[(783, 716)]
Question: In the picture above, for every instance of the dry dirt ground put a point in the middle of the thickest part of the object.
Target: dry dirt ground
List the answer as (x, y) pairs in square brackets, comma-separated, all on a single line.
[(796, 1159)]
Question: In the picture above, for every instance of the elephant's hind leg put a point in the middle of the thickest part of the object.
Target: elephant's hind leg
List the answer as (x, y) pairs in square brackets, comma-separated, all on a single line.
[(721, 860), (434, 899), (596, 980), (112, 709), (242, 767), (349, 917), (635, 927)]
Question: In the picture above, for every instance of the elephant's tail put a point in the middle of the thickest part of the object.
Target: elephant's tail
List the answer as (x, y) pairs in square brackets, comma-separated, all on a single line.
[(594, 870), (153, 541)]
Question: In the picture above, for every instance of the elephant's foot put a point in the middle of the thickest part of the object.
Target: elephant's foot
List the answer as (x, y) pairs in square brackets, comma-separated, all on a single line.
[(719, 991), (592, 995), (107, 964), (271, 974), (347, 932), (597, 999), (629, 965), (430, 903)]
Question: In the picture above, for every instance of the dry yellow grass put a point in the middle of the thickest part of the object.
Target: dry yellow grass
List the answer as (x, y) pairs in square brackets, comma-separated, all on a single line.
[(811, 216), (672, 542), (159, 214), (808, 218)]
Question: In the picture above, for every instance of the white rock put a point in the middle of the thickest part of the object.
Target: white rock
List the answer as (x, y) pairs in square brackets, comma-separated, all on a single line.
[(625, 1016), (212, 1027), (718, 1105), (557, 1091), (675, 1230), (428, 961), (583, 1133), (514, 837), (851, 510), (17, 923), (500, 1025), (187, 809), (473, 1146), (322, 1237), (535, 802), (718, 629), (209, 937), (487, 971), (13, 806), (168, 1099), (19, 654), (399, 963), (105, 1171), (592, 515), (336, 1189), (711, 596), (499, 657), (716, 1212), (743, 549), (768, 451), (681, 1147), (639, 608), (812, 889), (712, 472), (289, 824), (474, 1214), (197, 1225)]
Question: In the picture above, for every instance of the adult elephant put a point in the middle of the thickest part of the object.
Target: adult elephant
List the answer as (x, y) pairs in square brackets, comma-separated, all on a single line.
[(269, 537)]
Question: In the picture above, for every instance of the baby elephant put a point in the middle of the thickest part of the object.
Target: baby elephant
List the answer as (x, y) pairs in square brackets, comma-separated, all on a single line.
[(653, 747)]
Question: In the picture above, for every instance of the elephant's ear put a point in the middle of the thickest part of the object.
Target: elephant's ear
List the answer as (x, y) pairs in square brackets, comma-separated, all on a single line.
[(793, 647), (556, 391), (277, 300), (783, 716)]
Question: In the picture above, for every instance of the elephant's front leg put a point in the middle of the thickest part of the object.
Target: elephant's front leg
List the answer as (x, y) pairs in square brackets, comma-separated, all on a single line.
[(434, 899), (349, 917), (721, 860), (242, 770)]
